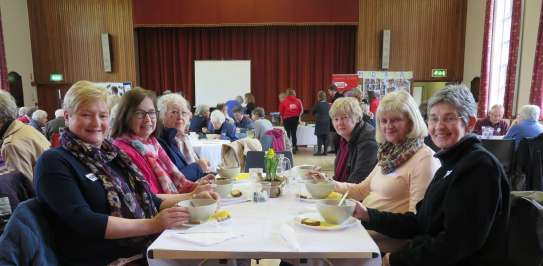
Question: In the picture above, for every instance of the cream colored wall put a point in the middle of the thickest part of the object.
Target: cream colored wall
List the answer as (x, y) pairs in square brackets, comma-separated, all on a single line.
[(532, 9), (475, 19), (17, 44), (474, 45)]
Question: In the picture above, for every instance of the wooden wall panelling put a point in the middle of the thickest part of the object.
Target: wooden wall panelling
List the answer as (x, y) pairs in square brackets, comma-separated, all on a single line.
[(65, 37), (425, 34)]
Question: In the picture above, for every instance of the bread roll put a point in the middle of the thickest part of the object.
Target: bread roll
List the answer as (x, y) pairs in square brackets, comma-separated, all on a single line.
[(311, 222)]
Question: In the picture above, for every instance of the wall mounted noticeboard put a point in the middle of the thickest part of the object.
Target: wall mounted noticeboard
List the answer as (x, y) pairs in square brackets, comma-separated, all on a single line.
[(217, 81)]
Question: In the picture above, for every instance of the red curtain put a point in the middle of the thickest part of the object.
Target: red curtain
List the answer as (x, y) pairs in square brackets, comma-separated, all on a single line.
[(511, 76), (536, 90), (485, 65), (298, 57), (3, 66)]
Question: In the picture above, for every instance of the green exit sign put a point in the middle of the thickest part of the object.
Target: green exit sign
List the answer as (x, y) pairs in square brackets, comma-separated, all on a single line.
[(56, 77), (439, 73)]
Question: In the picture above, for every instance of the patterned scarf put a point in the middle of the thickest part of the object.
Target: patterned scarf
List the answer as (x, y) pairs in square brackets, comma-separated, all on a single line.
[(183, 143), (171, 180), (128, 196), (392, 156)]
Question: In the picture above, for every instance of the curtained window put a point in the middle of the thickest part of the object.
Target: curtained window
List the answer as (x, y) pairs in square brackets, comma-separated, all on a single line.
[(536, 90), (298, 57), (3, 66)]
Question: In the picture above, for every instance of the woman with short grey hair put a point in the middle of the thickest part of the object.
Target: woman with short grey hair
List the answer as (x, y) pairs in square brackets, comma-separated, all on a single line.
[(174, 116), (199, 121), (219, 125), (262, 125), (8, 112), (462, 219), (528, 125), (39, 119)]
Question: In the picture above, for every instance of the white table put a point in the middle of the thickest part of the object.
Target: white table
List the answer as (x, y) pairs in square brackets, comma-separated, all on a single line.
[(209, 150), (306, 135), (261, 225)]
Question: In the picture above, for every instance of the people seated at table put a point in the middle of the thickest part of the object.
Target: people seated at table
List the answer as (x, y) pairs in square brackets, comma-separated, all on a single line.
[(174, 114), (219, 125), (405, 164), (494, 120), (38, 121), (224, 109), (291, 110), (261, 124), (528, 125), (322, 123), (241, 121), (462, 219), (357, 149), (25, 113), (134, 131), (99, 205), (54, 125), (250, 104), (199, 121), (20, 144)]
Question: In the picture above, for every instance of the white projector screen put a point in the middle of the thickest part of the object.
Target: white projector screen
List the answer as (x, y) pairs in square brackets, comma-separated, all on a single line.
[(220, 81)]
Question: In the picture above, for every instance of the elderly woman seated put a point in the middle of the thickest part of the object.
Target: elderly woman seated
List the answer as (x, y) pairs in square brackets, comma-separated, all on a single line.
[(174, 115), (134, 130), (462, 219), (39, 119), (101, 208), (528, 125), (199, 121), (405, 164), (357, 153), (219, 125)]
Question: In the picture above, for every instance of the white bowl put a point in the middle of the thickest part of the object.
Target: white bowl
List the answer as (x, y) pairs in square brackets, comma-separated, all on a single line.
[(303, 170), (319, 190), (228, 172), (334, 214), (223, 186), (200, 209)]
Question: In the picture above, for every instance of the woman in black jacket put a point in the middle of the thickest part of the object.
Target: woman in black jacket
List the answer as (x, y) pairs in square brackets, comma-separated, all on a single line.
[(462, 219), (322, 124)]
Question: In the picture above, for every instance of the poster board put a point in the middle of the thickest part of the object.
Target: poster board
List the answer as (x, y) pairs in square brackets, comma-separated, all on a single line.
[(218, 81), (345, 82), (115, 88), (383, 82)]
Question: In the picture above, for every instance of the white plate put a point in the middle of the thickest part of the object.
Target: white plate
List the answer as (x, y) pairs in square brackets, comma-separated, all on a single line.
[(349, 222)]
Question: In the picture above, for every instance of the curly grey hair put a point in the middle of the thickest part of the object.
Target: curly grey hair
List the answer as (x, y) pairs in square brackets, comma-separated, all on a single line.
[(529, 112), (460, 97), (201, 109), (9, 110), (171, 98)]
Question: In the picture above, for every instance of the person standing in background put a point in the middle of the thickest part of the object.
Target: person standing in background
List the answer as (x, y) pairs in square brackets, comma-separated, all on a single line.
[(334, 93), (291, 110), (374, 101), (322, 126)]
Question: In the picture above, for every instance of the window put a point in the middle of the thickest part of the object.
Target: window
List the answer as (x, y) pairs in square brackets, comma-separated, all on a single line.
[(501, 30)]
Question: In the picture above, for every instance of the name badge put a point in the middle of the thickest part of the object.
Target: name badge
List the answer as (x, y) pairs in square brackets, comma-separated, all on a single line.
[(91, 177), (447, 173)]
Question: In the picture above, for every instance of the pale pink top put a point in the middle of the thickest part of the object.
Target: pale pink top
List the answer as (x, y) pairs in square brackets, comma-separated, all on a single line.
[(399, 191)]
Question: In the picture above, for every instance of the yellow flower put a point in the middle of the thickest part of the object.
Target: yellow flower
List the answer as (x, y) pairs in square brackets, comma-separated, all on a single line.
[(270, 154)]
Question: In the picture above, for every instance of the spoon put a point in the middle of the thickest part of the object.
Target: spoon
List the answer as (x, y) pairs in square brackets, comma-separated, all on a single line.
[(343, 198)]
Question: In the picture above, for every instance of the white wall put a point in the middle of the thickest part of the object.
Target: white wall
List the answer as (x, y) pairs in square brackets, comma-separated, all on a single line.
[(474, 45), (532, 9), (475, 20), (15, 25)]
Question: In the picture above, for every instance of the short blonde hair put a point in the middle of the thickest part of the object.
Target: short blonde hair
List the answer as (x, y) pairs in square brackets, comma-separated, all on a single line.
[(348, 106), (401, 102), (82, 92)]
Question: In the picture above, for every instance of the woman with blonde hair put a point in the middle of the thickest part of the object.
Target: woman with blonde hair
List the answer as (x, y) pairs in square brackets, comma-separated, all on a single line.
[(94, 194), (405, 164)]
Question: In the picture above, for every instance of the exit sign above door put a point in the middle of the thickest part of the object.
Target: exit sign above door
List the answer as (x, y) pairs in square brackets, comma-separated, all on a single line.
[(439, 73)]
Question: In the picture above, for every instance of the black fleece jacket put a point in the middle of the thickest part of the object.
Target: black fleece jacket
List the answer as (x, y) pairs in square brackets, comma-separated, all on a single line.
[(463, 217)]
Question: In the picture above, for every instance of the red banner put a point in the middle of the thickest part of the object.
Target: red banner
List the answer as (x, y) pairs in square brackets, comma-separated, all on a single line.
[(345, 82)]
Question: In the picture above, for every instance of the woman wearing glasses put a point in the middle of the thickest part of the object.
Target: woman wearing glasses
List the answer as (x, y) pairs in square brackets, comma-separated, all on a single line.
[(463, 217), (134, 130), (174, 114), (98, 204), (405, 165)]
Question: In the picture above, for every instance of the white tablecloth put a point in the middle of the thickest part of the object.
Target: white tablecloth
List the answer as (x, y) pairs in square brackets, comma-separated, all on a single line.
[(210, 150), (262, 227), (306, 135)]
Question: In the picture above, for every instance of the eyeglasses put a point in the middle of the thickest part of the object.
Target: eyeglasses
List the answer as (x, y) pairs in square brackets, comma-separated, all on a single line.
[(142, 114), (445, 120), (176, 113)]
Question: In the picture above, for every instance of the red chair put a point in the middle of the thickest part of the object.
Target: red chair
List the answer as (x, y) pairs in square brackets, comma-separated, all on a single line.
[(55, 140)]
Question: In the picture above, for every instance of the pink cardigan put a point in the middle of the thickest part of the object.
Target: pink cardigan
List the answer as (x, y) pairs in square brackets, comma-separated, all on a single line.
[(146, 170)]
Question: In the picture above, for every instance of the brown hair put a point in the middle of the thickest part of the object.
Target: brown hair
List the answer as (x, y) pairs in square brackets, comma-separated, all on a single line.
[(321, 95), (127, 107)]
